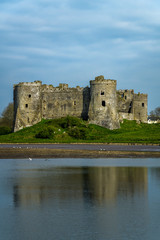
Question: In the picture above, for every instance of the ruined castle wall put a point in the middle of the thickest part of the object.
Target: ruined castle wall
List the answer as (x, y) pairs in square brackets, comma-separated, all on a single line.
[(27, 104), (132, 106), (103, 105), (125, 101), (128, 116), (62, 101), (140, 107)]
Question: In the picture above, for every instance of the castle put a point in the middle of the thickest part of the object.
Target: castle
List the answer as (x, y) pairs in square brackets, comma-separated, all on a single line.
[(101, 103)]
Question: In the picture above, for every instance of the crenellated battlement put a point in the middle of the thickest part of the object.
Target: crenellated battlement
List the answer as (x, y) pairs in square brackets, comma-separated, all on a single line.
[(125, 91), (35, 83), (140, 96), (101, 80), (63, 87)]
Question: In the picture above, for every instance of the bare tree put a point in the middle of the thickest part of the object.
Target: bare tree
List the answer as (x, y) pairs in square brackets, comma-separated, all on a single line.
[(155, 113)]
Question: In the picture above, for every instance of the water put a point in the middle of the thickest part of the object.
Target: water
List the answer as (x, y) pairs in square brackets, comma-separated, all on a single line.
[(82, 199)]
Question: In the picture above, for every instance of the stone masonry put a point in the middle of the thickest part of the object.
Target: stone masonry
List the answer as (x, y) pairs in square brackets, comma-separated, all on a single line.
[(100, 103)]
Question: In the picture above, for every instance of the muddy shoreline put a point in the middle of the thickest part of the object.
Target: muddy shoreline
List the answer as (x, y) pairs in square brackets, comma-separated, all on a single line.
[(10, 153)]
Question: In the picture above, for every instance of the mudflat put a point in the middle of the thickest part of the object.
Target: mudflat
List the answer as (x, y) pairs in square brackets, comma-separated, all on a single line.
[(78, 150)]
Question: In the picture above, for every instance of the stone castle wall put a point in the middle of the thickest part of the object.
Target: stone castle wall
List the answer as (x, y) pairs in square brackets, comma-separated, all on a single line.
[(132, 106), (62, 101), (101, 104)]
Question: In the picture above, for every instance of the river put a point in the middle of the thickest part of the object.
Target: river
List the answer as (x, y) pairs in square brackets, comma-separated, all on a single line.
[(80, 199)]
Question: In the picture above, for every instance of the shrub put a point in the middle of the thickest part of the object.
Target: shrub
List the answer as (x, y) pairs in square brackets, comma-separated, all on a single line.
[(47, 132), (78, 133), (5, 130), (70, 122)]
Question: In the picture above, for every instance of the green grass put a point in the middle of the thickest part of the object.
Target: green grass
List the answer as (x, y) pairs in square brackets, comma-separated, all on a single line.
[(74, 130)]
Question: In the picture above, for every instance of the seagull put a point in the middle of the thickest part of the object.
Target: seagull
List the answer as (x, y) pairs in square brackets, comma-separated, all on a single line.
[(30, 159)]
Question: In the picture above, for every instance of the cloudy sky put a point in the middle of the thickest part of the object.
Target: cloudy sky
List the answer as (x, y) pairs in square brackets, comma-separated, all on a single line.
[(72, 41)]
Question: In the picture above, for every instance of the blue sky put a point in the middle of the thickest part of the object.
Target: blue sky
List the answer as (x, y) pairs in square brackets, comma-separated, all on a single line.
[(72, 41)]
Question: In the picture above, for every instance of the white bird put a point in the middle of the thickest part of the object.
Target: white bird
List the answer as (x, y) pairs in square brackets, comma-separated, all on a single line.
[(30, 159)]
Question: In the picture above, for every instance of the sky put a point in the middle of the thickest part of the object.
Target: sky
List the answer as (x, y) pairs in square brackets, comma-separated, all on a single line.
[(73, 41)]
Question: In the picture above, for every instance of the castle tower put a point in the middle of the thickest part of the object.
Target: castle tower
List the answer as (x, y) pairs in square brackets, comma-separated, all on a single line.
[(140, 106), (103, 104), (27, 104)]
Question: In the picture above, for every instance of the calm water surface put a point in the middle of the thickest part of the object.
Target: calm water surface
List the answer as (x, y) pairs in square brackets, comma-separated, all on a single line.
[(80, 199)]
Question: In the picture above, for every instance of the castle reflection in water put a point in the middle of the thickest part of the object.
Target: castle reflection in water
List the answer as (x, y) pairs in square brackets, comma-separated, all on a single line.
[(93, 184)]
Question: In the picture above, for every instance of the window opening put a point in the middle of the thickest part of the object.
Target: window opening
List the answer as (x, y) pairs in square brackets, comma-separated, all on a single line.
[(130, 107), (103, 103), (74, 102), (26, 105), (102, 93), (142, 104), (29, 95), (125, 97), (50, 105)]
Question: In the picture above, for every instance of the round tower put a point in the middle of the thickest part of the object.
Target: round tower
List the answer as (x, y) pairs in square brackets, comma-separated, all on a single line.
[(103, 104), (27, 104)]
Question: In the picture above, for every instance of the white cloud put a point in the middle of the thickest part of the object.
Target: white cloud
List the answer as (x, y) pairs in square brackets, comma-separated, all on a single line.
[(96, 36)]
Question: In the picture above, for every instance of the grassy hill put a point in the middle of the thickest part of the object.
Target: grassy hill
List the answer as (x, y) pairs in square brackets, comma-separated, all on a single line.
[(71, 130)]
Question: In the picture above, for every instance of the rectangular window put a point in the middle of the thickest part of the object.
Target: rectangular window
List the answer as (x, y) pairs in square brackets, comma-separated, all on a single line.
[(142, 104), (50, 105), (102, 93), (29, 95), (103, 103), (26, 105), (74, 102)]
